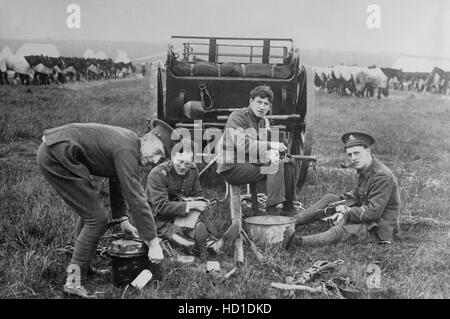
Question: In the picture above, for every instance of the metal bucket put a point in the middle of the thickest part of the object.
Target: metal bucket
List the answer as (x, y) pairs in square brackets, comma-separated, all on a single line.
[(269, 229), (128, 259)]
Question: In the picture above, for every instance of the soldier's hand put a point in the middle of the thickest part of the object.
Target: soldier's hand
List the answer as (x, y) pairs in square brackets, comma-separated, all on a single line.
[(274, 156), (197, 205), (128, 229), (342, 209), (155, 253), (277, 146), (230, 236)]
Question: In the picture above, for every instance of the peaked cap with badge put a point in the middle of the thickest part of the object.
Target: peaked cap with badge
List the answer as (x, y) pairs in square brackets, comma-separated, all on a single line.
[(166, 134), (357, 139)]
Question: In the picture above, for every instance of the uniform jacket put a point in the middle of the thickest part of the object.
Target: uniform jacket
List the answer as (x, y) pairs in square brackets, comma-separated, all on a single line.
[(377, 200), (164, 187), (236, 139), (112, 152)]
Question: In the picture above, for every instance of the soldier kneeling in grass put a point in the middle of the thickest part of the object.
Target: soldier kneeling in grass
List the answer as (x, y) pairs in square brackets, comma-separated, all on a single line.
[(174, 193), (370, 212)]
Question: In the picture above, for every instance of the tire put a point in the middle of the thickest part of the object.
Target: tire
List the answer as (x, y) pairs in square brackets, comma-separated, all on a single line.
[(300, 135), (160, 95), (300, 143)]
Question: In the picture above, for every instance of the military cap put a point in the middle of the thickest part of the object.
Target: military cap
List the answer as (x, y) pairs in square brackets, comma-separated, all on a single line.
[(164, 132), (357, 139)]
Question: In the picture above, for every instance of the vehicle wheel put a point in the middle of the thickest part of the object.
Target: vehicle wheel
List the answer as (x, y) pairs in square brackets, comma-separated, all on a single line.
[(300, 143), (300, 134), (160, 94)]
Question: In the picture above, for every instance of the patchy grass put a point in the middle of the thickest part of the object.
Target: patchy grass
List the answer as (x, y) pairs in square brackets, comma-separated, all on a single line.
[(412, 138)]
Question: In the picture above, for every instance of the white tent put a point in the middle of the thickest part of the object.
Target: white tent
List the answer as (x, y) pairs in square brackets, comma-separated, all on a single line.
[(89, 54), (122, 57), (38, 49), (6, 52), (17, 63), (443, 64), (101, 55), (345, 71)]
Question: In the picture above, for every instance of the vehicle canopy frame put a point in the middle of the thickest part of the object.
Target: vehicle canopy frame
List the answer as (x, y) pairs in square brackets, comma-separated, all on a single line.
[(206, 78)]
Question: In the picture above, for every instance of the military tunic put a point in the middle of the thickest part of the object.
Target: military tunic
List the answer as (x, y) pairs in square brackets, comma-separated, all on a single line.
[(374, 209), (377, 200), (164, 189), (67, 158), (242, 158), (242, 133)]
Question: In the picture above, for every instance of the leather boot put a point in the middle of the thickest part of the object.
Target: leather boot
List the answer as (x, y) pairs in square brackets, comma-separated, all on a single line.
[(186, 244), (272, 210), (292, 240), (316, 211), (308, 216), (78, 291), (74, 282), (330, 236), (200, 237), (288, 210)]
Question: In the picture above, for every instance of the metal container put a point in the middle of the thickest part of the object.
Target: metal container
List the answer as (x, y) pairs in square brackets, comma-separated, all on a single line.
[(269, 229), (128, 259)]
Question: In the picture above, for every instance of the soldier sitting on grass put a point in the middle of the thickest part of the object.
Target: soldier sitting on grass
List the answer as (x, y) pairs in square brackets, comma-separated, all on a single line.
[(173, 190), (369, 213)]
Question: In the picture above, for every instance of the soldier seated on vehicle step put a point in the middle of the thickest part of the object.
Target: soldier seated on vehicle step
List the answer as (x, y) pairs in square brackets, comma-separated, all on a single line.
[(247, 156)]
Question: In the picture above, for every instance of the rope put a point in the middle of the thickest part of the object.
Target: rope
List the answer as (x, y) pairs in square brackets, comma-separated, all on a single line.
[(315, 270)]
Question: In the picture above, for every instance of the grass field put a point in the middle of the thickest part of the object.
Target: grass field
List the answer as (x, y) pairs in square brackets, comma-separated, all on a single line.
[(413, 138)]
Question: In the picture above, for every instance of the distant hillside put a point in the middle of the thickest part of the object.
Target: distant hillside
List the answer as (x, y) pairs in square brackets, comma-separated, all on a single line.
[(77, 48), (318, 57)]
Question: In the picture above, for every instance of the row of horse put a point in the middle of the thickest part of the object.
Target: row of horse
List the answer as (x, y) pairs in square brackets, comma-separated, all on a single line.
[(39, 69), (366, 81)]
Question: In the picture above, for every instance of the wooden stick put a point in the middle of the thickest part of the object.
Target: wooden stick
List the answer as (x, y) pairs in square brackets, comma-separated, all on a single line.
[(209, 165), (253, 247), (236, 218)]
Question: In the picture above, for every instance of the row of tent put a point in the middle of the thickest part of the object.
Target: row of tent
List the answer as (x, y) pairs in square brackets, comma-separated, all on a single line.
[(50, 50), (121, 56), (42, 64), (351, 80), (407, 73)]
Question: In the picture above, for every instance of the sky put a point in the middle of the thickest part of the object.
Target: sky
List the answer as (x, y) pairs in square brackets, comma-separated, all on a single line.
[(416, 27)]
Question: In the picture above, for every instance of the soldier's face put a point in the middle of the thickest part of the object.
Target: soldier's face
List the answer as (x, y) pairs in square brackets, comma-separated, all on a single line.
[(359, 157), (182, 162), (152, 150), (260, 106)]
